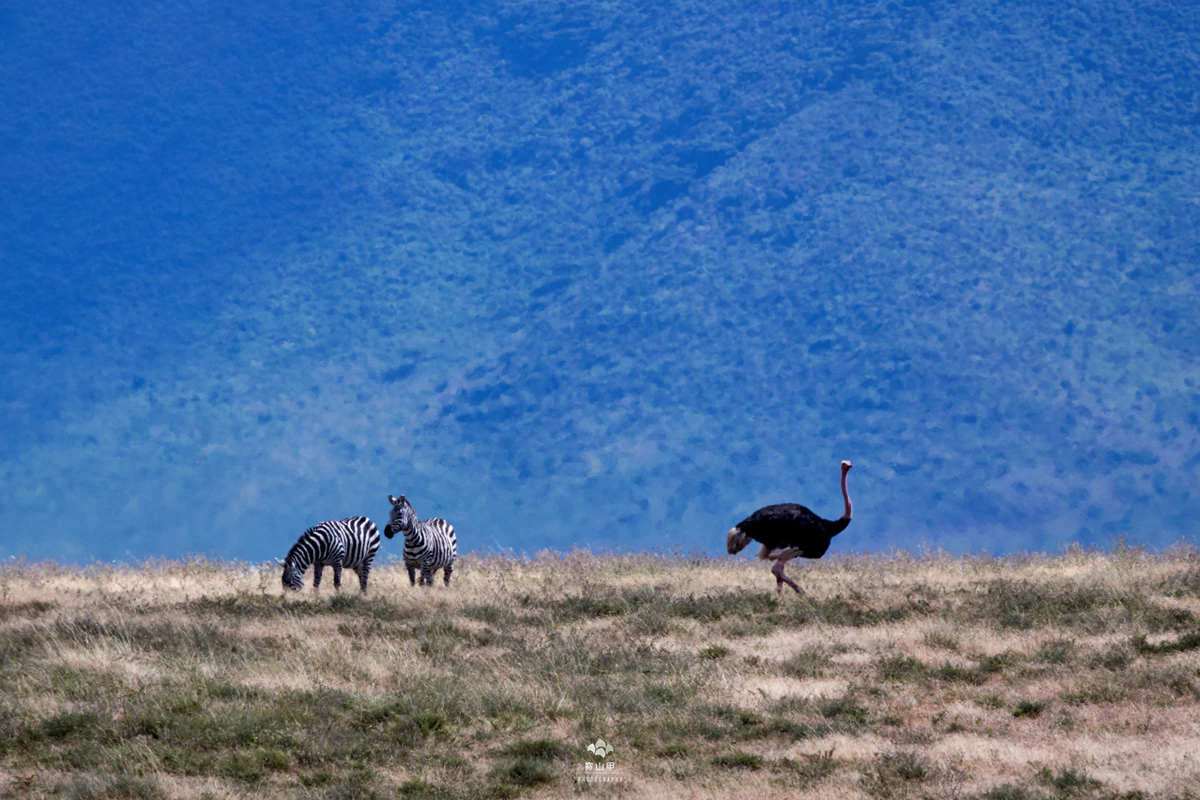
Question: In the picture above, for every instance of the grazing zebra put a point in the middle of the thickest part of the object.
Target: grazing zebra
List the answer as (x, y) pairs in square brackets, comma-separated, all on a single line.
[(349, 543), (429, 545)]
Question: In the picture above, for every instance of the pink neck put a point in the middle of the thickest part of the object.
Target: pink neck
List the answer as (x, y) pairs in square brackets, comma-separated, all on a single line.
[(846, 495)]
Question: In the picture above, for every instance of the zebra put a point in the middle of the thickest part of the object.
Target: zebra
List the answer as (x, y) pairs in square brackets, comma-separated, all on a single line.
[(430, 544), (350, 543)]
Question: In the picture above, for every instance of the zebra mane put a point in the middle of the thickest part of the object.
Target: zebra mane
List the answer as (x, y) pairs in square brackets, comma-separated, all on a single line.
[(303, 551)]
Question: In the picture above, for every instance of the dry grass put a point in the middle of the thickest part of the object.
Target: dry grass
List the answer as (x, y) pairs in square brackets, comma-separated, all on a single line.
[(1072, 676)]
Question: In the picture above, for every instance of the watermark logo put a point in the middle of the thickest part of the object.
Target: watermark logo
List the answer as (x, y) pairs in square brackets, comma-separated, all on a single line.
[(601, 770), (601, 748)]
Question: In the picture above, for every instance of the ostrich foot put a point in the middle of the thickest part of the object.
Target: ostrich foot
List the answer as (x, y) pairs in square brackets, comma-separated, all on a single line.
[(781, 578), (792, 584)]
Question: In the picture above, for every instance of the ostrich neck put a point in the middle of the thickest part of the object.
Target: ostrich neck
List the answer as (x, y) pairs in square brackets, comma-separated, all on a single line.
[(846, 496)]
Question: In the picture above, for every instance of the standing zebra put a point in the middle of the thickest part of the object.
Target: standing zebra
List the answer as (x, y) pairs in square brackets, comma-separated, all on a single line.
[(429, 545), (349, 543)]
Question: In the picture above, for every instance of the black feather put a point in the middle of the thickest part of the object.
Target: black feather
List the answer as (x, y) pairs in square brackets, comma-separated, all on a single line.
[(792, 526)]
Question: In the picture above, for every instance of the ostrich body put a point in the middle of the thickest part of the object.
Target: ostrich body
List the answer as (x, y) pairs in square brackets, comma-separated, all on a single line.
[(788, 531)]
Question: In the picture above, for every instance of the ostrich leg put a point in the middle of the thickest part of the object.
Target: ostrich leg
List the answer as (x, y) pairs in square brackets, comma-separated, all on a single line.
[(781, 578)]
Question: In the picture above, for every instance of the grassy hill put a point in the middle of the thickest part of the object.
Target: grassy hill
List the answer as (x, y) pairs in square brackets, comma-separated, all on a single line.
[(599, 272), (1025, 678)]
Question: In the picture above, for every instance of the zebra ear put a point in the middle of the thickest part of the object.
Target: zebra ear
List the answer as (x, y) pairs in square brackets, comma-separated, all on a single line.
[(392, 499)]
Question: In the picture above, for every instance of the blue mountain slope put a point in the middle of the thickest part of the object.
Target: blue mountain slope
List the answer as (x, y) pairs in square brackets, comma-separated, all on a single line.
[(598, 274)]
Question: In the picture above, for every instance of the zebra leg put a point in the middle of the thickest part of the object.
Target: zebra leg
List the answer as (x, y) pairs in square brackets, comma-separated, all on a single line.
[(317, 570), (446, 574), (412, 574), (363, 571), (426, 575), (337, 577)]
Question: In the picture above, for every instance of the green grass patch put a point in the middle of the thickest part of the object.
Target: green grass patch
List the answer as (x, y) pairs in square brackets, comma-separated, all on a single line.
[(69, 724), (806, 769), (1029, 708), (1063, 603), (955, 674), (495, 615), (1159, 619), (855, 611), (993, 665), (738, 759), (251, 606), (845, 710), (739, 627), (1011, 791), (253, 766), (540, 749), (906, 765), (713, 607), (1057, 651), (116, 787), (943, 641), (902, 668), (670, 695), (808, 663), (523, 772), (576, 608), (420, 789), (31, 609), (1189, 641), (1113, 658), (1067, 781), (1183, 584), (713, 652), (992, 701)]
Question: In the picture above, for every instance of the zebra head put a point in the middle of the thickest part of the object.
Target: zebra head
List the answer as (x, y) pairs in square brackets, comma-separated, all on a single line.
[(293, 576), (402, 519)]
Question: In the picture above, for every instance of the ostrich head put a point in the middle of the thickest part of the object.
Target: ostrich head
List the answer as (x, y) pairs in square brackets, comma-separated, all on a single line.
[(735, 540)]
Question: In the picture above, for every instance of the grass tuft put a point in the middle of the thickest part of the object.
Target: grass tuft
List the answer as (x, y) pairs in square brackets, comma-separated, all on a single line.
[(116, 787), (809, 768), (1057, 651), (738, 759), (540, 749), (1009, 791), (955, 674), (808, 663), (1189, 641), (1029, 708), (1067, 781), (524, 772), (843, 709), (902, 668), (908, 765), (713, 652)]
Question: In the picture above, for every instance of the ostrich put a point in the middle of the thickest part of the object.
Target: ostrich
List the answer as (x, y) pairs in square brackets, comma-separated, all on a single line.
[(787, 531)]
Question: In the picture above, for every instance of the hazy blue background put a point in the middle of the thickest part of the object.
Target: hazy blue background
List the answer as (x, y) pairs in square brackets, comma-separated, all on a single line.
[(597, 273)]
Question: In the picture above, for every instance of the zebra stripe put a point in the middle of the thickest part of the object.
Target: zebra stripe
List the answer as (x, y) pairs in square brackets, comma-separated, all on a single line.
[(429, 545), (350, 543)]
